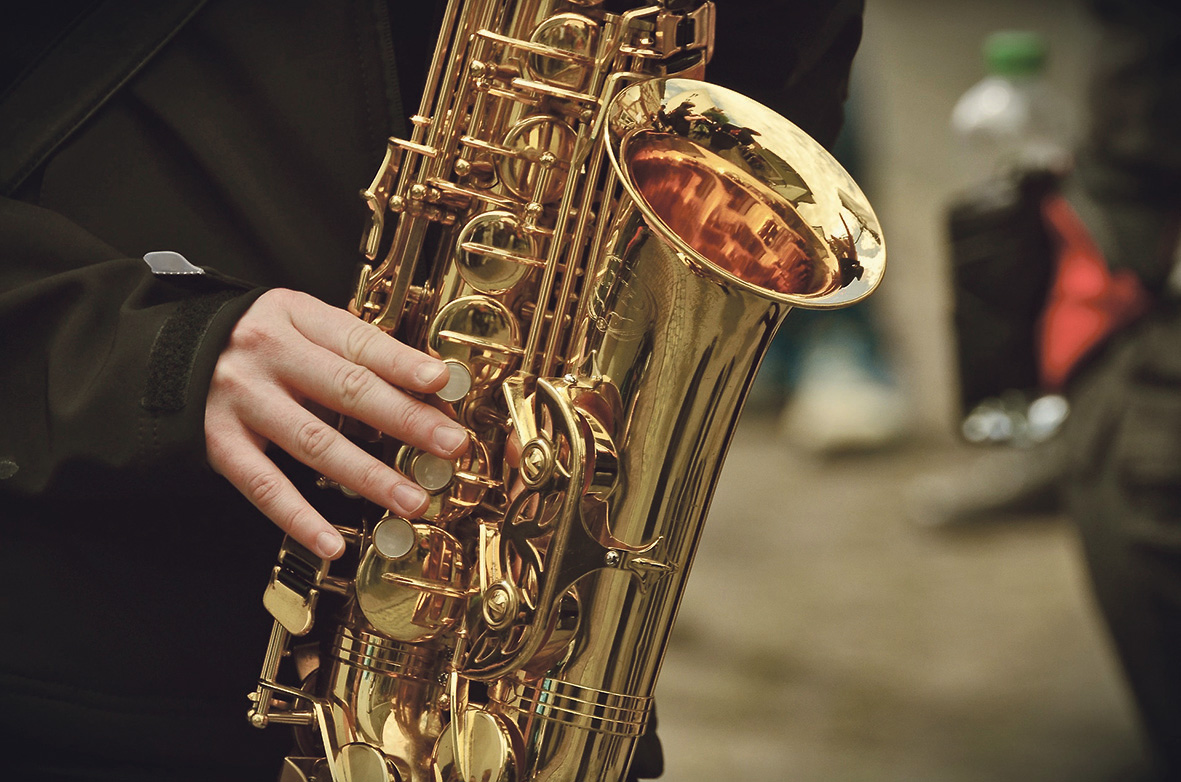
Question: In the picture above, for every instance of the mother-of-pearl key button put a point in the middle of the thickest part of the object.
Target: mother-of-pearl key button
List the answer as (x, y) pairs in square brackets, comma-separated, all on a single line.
[(394, 537), (432, 472), (459, 382)]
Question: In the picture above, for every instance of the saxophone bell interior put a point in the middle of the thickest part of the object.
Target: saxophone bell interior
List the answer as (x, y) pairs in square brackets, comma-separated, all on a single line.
[(709, 168)]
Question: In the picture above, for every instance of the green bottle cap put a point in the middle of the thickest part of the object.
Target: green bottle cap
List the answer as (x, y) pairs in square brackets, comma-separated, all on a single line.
[(1015, 53)]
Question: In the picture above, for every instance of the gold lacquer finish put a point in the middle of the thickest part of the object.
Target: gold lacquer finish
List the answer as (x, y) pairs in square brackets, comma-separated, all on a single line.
[(601, 249)]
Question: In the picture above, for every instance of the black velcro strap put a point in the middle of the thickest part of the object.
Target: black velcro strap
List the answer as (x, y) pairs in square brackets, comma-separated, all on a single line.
[(170, 364), (90, 63)]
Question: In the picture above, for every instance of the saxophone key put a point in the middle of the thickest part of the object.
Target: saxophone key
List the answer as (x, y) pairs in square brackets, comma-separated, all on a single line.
[(411, 582)]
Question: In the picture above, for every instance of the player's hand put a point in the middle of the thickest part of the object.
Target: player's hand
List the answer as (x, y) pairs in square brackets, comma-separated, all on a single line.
[(290, 348)]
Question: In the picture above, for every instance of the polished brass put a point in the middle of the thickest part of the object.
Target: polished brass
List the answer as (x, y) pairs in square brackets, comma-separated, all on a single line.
[(601, 248)]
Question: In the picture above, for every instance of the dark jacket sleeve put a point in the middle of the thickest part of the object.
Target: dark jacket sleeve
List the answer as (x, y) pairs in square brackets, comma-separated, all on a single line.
[(241, 145), (106, 365)]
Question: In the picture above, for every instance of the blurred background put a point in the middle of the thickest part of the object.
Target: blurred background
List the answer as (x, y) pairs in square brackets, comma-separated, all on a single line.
[(867, 605)]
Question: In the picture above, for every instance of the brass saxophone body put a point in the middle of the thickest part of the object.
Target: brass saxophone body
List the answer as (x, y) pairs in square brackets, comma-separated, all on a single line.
[(601, 248)]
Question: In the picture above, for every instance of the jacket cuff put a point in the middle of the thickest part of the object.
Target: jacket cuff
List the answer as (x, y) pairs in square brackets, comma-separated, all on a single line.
[(180, 368)]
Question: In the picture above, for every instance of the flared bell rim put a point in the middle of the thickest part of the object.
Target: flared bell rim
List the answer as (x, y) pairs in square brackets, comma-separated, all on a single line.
[(826, 248)]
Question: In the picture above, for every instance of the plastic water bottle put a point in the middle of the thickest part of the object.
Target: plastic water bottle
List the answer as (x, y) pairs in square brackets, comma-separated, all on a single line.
[(1012, 121), (1014, 132)]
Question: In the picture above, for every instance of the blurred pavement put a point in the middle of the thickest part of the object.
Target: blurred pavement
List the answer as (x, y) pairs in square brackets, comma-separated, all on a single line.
[(825, 637)]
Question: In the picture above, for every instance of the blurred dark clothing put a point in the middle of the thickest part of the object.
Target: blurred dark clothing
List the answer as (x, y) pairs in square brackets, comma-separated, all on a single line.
[(1124, 487), (791, 56), (1124, 492), (133, 575), (1128, 184)]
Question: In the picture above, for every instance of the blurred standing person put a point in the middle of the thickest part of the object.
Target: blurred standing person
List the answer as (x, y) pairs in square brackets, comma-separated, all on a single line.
[(1016, 140), (1119, 275)]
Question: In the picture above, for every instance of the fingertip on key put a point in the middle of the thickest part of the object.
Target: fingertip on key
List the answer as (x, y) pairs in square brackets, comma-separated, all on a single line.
[(450, 437), (329, 545), (410, 499), (430, 374)]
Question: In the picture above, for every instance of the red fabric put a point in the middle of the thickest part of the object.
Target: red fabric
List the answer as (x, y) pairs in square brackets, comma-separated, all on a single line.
[(1087, 302)]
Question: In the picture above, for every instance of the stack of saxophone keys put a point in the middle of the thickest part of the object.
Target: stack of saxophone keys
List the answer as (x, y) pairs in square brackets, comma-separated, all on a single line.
[(600, 247)]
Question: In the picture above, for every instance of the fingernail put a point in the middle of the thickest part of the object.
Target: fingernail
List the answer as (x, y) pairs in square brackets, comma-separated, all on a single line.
[(449, 437), (429, 373), (329, 544), (409, 498)]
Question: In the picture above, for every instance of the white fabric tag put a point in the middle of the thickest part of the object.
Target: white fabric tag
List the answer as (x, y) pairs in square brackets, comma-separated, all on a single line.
[(168, 262)]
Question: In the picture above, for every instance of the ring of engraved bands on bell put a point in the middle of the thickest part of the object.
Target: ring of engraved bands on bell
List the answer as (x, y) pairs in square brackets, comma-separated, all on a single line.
[(600, 711), (376, 654)]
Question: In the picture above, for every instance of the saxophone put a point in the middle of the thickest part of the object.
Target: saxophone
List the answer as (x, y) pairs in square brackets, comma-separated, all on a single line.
[(600, 247)]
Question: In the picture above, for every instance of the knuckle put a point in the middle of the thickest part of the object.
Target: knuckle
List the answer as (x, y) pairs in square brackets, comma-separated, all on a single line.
[(228, 378), (284, 298), (374, 475), (360, 339), (353, 384), (252, 335), (223, 379), (414, 418), (263, 488), (314, 438)]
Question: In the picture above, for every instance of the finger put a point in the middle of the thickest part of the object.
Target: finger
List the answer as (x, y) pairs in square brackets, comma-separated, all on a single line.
[(318, 445), (360, 393), (258, 479), (365, 344)]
